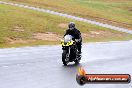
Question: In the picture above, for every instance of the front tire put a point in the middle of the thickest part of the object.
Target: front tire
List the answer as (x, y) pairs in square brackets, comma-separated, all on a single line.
[(65, 57)]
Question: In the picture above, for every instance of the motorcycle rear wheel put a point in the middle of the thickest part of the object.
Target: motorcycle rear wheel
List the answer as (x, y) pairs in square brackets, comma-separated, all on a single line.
[(77, 61), (78, 58)]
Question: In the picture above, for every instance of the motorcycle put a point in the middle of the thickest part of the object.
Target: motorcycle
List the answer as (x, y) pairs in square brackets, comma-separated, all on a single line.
[(70, 51)]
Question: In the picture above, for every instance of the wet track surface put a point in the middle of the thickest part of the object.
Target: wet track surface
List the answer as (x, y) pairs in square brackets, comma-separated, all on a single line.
[(41, 67)]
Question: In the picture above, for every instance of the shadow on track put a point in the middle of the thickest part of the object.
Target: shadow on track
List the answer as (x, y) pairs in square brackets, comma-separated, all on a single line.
[(72, 65)]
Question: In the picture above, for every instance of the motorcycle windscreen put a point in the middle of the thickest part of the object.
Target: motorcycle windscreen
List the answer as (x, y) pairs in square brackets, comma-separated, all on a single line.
[(67, 38)]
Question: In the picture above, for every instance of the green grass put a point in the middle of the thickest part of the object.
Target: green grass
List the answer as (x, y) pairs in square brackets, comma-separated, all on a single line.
[(116, 12), (35, 22)]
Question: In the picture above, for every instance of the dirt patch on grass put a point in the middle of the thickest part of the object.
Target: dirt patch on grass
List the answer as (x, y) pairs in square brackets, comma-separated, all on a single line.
[(48, 36), (99, 34), (130, 10), (63, 25), (13, 40), (18, 29)]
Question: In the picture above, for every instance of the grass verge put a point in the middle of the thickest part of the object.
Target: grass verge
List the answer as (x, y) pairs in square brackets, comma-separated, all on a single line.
[(18, 26), (115, 12)]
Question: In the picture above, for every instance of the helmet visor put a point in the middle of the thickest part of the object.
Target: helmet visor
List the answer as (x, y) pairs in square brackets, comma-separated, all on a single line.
[(71, 28)]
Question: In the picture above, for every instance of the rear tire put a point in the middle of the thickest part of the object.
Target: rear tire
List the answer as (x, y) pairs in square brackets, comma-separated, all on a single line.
[(77, 62), (64, 56), (78, 58)]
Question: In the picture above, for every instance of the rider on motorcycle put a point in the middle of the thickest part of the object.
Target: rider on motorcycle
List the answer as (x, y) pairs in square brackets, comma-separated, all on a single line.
[(73, 31)]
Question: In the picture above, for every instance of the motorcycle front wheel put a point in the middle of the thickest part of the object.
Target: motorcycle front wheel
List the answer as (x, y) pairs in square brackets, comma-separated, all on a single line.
[(65, 57)]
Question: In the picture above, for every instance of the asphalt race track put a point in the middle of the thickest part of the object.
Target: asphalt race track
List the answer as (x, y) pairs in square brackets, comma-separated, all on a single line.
[(41, 66)]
